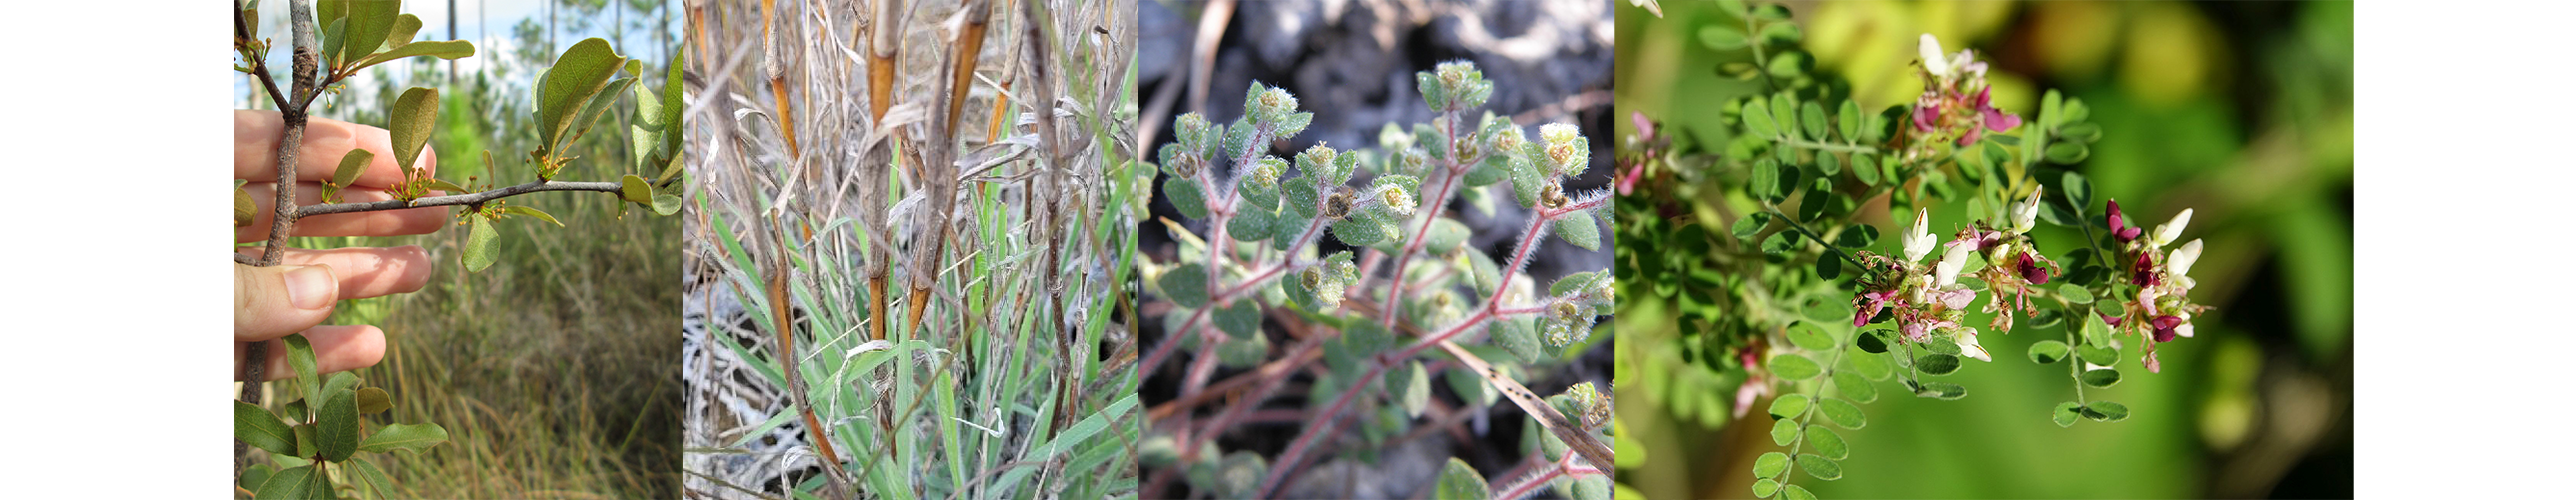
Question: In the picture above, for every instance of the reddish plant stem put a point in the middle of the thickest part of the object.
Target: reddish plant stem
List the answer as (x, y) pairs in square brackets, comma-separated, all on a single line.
[(1430, 213)]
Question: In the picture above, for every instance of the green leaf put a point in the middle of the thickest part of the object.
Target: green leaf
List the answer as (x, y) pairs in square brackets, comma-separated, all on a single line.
[(1938, 364), (537, 213), (2093, 327), (336, 434), (413, 118), (1810, 337), (1187, 285), (2073, 293), (482, 250), (403, 437), (1941, 390), (306, 368), (1864, 165), (2106, 411), (403, 31), (2066, 413), (1756, 119), (2083, 132), (332, 39), (371, 400), (1764, 179), (295, 483), (1457, 480), (1763, 488), (368, 23), (1797, 492), (1241, 319), (255, 475), (1853, 389), (446, 50), (1826, 309), (1851, 123), (2101, 356), (1817, 123), (2048, 351), (2066, 152), (244, 209), (1857, 236), (1785, 431), (1188, 199), (666, 204), (1251, 223), (1817, 466), (1769, 465), (1362, 229), (1826, 443), (1750, 225), (596, 108), (2100, 378), (573, 79), (1788, 179), (374, 479), (1843, 413), (303, 441), (1721, 37), (1794, 367), (1414, 391), (1816, 197), (1873, 341), (1789, 406), (339, 382), (348, 168), (255, 426), (1578, 228)]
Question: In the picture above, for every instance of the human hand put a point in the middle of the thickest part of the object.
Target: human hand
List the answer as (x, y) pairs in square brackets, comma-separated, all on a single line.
[(296, 295)]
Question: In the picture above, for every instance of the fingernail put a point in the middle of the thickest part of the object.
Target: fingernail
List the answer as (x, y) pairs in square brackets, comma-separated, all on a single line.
[(311, 287)]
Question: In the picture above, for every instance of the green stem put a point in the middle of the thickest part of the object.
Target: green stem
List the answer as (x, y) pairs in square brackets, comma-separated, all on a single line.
[(1806, 420), (1824, 145), (1808, 234)]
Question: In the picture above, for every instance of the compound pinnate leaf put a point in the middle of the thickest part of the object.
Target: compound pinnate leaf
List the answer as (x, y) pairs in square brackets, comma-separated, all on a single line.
[(1843, 413), (1826, 309), (2073, 293), (2048, 351), (1457, 480), (255, 426), (1749, 225), (295, 483), (2066, 413), (413, 118), (1769, 465), (2101, 356), (1721, 37), (1857, 236), (573, 79), (1816, 121), (1810, 337), (1785, 431), (2066, 152), (1797, 492), (1873, 341), (1789, 406), (1187, 285), (1763, 488), (1794, 367), (1818, 467), (403, 437)]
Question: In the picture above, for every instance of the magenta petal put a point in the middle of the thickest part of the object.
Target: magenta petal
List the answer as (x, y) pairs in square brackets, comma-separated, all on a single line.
[(1926, 118), (1969, 137), (1998, 121), (2164, 328), (2027, 267)]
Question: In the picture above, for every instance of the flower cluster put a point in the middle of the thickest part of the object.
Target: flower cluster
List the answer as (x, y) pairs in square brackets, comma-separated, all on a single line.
[(2160, 308), (1925, 298), (2014, 262), (1955, 97)]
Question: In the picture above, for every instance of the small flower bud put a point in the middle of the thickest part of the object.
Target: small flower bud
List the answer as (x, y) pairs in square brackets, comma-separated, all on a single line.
[(1266, 173), (1338, 205), (1509, 140), (1274, 103), (2185, 256), (1320, 153), (2023, 214), (1553, 196)]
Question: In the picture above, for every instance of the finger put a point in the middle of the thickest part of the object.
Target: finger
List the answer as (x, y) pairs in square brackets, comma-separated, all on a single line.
[(406, 221), (269, 302), (366, 272), (335, 348), (324, 143)]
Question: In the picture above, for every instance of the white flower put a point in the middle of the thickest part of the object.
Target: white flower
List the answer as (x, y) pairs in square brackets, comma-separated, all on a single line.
[(1932, 57), (2186, 325), (2168, 231), (1948, 266), (2023, 214), (1970, 345), (2185, 256), (1916, 241)]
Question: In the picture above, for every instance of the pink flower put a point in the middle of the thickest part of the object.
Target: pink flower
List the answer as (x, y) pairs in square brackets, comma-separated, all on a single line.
[(2165, 328), (1992, 117), (2027, 268), (2115, 224)]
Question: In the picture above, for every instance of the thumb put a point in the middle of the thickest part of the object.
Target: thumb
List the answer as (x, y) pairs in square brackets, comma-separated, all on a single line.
[(274, 301)]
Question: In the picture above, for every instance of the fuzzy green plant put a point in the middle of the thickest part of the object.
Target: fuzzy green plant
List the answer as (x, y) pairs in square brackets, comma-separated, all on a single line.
[(1757, 241), (317, 441), (1424, 293)]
